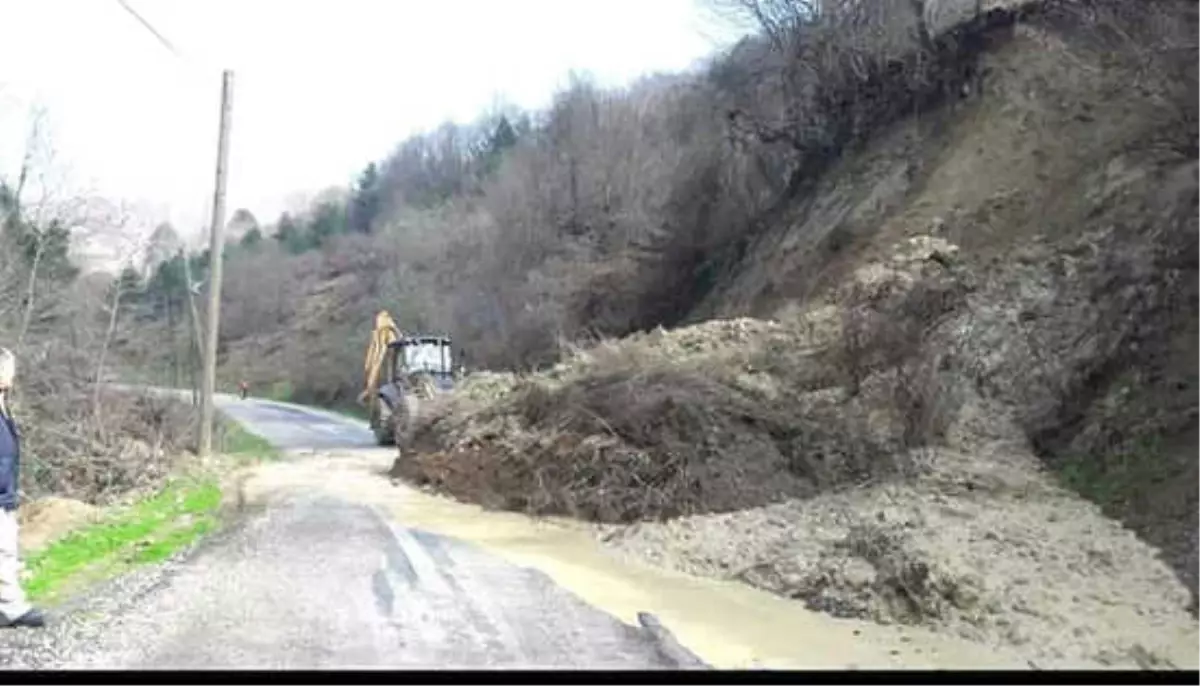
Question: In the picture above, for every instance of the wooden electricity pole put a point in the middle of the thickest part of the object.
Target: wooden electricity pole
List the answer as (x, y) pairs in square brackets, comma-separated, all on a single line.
[(215, 248)]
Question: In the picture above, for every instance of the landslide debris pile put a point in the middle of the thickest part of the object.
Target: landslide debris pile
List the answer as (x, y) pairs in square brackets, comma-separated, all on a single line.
[(645, 428), (719, 416), (1001, 558), (641, 428)]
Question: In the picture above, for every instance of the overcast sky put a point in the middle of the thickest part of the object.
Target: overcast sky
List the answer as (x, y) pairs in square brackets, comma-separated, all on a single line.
[(322, 86)]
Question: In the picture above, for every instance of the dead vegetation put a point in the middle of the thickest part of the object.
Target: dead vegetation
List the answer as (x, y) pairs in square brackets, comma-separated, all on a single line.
[(78, 442), (84, 444), (720, 416), (70, 451)]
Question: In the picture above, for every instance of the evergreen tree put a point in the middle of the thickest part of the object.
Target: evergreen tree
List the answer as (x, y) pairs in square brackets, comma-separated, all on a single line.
[(366, 200), (291, 235), (167, 284), (130, 283), (252, 239), (328, 220), (164, 243), (502, 137), (198, 264), (48, 246), (9, 206)]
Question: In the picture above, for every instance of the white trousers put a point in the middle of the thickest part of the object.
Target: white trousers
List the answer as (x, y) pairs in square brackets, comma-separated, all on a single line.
[(12, 598)]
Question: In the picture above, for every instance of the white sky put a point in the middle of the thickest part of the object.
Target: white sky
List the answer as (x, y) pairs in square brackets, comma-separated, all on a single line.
[(321, 86)]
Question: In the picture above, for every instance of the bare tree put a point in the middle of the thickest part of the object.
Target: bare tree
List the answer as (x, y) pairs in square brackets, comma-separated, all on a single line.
[(43, 230), (129, 246), (51, 228), (34, 144), (825, 75)]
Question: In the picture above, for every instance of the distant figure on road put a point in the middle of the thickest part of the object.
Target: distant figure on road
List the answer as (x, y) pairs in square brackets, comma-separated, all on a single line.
[(14, 611), (243, 388)]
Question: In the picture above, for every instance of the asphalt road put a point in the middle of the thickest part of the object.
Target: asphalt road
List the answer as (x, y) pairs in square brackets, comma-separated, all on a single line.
[(295, 427), (313, 581)]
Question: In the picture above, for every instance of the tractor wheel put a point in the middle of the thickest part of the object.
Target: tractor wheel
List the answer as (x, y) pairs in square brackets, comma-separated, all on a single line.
[(382, 426)]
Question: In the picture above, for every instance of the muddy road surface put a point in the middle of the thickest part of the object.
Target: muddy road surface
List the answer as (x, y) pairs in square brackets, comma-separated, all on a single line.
[(309, 579)]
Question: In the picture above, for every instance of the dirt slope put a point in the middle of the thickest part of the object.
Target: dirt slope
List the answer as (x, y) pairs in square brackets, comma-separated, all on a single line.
[(1069, 185)]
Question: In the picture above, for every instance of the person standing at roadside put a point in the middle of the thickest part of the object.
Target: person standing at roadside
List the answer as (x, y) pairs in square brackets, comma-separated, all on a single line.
[(14, 610)]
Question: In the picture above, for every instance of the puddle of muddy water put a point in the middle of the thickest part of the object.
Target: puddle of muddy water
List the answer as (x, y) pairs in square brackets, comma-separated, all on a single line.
[(729, 625)]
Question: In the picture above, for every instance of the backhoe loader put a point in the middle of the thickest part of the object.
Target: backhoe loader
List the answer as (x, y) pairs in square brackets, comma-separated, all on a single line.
[(400, 372)]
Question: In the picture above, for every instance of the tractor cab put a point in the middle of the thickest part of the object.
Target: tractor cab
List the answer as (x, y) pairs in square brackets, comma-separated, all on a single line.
[(429, 356)]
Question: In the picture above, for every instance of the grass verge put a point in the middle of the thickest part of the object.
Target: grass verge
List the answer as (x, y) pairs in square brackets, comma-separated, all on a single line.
[(147, 531), (351, 411), (242, 445), (281, 391)]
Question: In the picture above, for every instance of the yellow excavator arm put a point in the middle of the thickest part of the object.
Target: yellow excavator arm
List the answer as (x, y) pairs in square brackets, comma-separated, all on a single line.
[(385, 333)]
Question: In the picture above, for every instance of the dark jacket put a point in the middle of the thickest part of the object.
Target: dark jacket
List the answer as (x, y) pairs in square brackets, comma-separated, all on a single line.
[(10, 462)]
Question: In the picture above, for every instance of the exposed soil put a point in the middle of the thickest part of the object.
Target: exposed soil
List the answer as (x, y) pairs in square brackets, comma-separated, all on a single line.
[(46, 519)]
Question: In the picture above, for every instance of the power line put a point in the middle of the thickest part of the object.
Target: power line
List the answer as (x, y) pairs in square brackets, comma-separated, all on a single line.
[(209, 378), (161, 39), (185, 61)]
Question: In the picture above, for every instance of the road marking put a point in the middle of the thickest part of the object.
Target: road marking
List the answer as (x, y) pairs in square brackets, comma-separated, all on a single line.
[(422, 565), (381, 586)]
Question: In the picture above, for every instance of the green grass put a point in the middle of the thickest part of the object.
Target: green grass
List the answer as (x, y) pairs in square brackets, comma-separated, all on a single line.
[(244, 445), (146, 532), (352, 411), (280, 390)]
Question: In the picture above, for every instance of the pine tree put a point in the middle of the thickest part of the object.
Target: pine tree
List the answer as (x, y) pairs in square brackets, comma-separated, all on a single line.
[(365, 204), (327, 221), (252, 239), (290, 235), (502, 137)]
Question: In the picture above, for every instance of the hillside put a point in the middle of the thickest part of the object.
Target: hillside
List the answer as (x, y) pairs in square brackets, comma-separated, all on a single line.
[(930, 292)]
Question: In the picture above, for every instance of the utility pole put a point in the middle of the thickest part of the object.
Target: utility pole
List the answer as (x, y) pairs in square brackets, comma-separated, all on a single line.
[(215, 248)]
